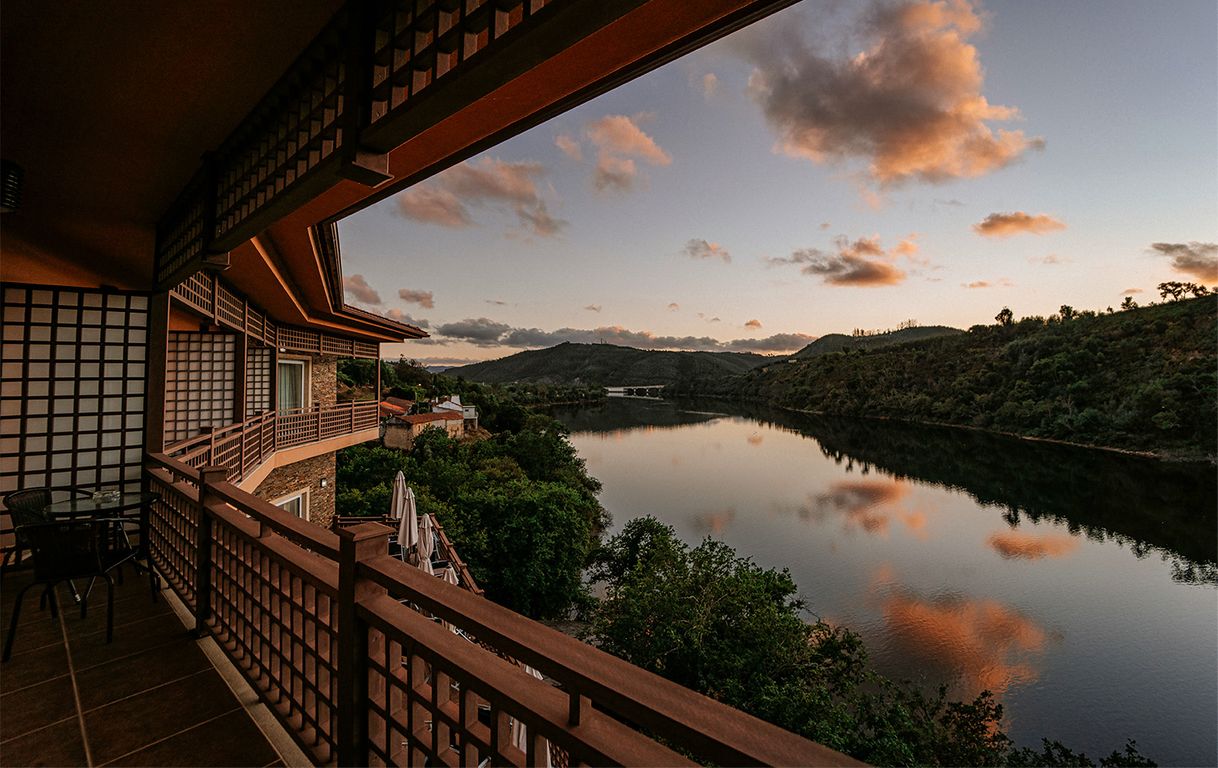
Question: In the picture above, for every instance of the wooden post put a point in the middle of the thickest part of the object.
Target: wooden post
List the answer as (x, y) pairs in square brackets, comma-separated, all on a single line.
[(158, 356), (208, 477), (356, 544)]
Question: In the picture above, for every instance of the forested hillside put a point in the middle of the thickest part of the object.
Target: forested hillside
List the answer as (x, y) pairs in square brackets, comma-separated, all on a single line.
[(606, 365), (1140, 379), (837, 342)]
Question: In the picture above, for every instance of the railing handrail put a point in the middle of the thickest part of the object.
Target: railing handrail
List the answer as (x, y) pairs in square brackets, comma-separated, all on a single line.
[(298, 531), (586, 674), (730, 736), (608, 740), (308, 424)]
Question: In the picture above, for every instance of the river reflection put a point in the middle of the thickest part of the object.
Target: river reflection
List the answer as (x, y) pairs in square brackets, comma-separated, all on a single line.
[(1077, 586)]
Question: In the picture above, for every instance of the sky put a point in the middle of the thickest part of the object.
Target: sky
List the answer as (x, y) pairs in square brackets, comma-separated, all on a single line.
[(836, 166)]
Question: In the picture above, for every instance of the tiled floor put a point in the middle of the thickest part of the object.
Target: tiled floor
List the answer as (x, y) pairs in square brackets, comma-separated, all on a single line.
[(150, 697)]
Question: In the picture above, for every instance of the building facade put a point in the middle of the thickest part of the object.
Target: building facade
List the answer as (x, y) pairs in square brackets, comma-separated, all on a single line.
[(173, 311)]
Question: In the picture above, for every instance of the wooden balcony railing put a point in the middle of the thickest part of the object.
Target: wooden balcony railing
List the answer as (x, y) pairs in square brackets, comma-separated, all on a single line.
[(207, 294), (242, 447), (444, 546), (343, 644)]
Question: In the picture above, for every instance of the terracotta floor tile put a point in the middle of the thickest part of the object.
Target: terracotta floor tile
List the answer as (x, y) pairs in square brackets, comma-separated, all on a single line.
[(128, 725), (151, 685), (36, 666), (101, 684), (229, 740), (36, 706), (91, 649), (55, 745)]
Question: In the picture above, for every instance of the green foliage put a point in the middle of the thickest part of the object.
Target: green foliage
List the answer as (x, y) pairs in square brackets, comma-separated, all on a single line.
[(599, 365), (519, 507), (1143, 379), (720, 624), (859, 339)]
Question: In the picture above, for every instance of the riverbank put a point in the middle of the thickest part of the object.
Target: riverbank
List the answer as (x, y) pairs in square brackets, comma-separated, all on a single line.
[(1165, 456), (1065, 580), (1142, 381)]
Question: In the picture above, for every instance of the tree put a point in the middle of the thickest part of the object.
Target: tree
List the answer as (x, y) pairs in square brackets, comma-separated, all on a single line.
[(1128, 303), (1005, 316), (1173, 289), (1067, 313), (720, 624), (1198, 290)]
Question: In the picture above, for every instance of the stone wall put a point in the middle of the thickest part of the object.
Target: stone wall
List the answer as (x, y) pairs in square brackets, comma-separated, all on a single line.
[(323, 382), (304, 475)]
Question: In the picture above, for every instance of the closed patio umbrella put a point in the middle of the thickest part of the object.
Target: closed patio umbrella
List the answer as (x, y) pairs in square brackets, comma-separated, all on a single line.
[(449, 574), (427, 542), (402, 508)]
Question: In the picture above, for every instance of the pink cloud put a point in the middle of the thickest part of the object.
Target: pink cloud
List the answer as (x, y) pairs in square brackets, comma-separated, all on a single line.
[(487, 182), (358, 287), (910, 104), (1016, 223), (863, 262), (569, 146), (620, 141), (424, 299), (698, 248)]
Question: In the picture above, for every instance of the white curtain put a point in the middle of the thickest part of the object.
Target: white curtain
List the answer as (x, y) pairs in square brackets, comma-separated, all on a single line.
[(291, 386)]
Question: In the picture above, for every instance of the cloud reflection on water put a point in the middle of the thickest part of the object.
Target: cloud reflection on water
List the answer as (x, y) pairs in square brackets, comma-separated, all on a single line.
[(979, 643), (1017, 545), (713, 523), (867, 505)]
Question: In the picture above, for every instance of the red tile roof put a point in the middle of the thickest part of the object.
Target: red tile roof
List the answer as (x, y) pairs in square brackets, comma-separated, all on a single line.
[(425, 418), (389, 409)]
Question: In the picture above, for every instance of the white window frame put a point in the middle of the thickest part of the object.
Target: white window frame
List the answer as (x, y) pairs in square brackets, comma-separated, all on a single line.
[(303, 495), (306, 379)]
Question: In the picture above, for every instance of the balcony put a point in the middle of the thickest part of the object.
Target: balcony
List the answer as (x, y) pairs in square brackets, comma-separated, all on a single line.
[(243, 448), (345, 646)]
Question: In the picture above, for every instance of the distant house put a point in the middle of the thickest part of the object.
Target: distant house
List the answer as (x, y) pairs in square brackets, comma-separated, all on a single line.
[(401, 431), (400, 402), (453, 403), (389, 410)]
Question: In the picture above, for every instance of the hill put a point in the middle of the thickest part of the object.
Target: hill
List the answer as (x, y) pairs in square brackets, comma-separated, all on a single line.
[(836, 342), (606, 365), (1141, 380)]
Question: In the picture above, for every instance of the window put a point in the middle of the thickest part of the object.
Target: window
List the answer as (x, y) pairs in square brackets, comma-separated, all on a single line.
[(297, 504), (293, 380)]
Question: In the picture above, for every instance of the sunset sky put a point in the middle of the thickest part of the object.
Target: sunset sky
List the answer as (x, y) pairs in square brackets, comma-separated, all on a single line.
[(838, 165)]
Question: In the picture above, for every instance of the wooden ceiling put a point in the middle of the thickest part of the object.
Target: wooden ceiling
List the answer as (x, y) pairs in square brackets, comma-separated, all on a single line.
[(109, 109)]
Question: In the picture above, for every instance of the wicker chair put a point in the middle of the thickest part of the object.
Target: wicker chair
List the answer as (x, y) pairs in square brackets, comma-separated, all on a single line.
[(25, 508), (66, 550)]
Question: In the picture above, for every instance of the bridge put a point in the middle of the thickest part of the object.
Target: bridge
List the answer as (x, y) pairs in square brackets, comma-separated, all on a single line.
[(636, 390)]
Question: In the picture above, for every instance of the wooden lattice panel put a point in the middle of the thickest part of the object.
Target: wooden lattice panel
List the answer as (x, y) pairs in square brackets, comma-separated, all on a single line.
[(259, 378), (197, 291), (298, 340), (184, 231), (293, 130), (278, 620), (230, 308), (200, 383), (418, 42), (173, 523), (216, 301), (72, 373)]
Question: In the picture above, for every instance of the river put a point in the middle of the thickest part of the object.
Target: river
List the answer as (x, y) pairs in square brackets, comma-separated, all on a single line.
[(1080, 587)]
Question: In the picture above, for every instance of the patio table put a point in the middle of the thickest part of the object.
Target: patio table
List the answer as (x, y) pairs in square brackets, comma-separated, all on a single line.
[(111, 506)]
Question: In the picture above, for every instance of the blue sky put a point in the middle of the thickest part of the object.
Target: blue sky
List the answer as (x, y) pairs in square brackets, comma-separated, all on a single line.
[(824, 170)]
